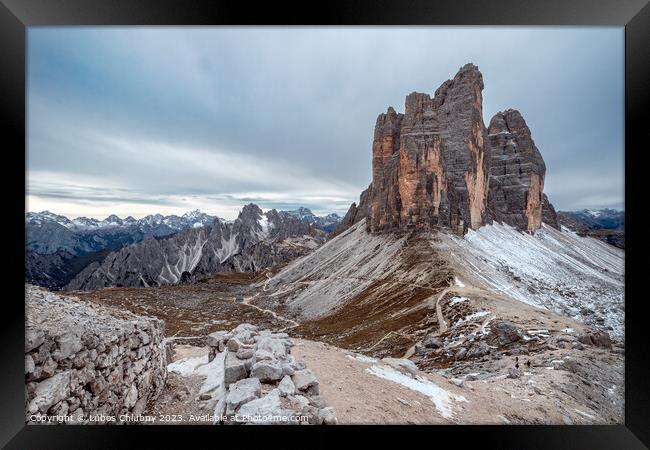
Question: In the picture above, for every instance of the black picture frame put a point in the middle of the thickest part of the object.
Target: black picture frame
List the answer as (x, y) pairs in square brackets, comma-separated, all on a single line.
[(634, 15)]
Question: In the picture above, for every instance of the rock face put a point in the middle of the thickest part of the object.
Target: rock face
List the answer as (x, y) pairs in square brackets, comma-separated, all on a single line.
[(549, 215), (437, 165), (81, 360), (253, 241), (516, 174), (431, 164), (354, 214)]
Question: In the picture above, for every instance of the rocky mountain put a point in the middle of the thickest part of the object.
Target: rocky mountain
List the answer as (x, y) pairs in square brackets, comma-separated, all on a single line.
[(48, 232), (608, 225), (253, 241), (516, 175), (452, 207), (438, 166), (326, 223), (57, 248)]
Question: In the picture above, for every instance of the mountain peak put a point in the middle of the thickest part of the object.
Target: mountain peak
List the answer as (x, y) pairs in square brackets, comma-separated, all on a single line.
[(251, 208), (436, 165)]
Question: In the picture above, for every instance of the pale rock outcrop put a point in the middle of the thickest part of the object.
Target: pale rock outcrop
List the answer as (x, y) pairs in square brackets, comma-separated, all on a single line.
[(273, 388)]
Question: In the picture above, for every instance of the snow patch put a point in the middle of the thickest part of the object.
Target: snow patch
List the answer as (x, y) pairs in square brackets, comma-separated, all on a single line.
[(212, 372), (472, 316), (186, 366), (362, 358), (442, 399), (576, 276), (457, 300)]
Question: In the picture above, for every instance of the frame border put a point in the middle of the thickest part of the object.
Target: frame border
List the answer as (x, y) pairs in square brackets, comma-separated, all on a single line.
[(17, 15)]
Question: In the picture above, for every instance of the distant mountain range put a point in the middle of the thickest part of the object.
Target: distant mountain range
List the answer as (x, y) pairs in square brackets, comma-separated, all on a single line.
[(253, 241), (58, 248), (608, 225), (326, 223), (48, 232)]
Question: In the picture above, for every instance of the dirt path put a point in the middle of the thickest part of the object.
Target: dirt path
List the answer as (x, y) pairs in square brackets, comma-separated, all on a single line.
[(359, 397), (442, 323), (362, 398), (247, 302)]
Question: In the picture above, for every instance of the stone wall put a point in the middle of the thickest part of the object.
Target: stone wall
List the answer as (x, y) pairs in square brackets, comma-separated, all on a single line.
[(86, 363), (262, 381)]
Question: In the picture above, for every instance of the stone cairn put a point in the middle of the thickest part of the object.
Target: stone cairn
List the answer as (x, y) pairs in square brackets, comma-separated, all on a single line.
[(88, 363), (264, 383)]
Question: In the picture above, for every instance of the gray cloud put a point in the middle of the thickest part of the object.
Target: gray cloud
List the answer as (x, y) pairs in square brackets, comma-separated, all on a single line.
[(171, 119)]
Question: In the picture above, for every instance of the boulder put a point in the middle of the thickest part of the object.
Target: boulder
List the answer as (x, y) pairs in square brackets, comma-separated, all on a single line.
[(317, 401), (305, 381), (431, 341), (33, 339), (234, 369), (477, 349), (277, 347), (51, 391), (502, 333), (286, 387), (262, 355), (327, 416), (131, 397), (29, 364), (242, 327), (220, 409), (242, 392), (263, 410), (597, 339), (299, 402), (216, 338), (457, 382), (288, 368), (245, 353), (266, 371), (234, 344)]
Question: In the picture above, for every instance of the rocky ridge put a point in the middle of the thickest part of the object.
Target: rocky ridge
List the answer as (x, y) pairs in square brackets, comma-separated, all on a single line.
[(255, 240), (49, 233), (607, 225), (326, 223), (58, 248)]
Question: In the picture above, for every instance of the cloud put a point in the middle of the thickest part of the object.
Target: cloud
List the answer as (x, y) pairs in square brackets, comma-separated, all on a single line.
[(286, 115)]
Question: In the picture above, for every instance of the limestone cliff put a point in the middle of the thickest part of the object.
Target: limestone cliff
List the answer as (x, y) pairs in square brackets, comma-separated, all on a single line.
[(516, 174), (437, 165), (430, 164)]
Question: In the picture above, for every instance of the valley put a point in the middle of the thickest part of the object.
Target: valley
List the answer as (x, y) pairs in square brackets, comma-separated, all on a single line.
[(462, 333), (453, 292)]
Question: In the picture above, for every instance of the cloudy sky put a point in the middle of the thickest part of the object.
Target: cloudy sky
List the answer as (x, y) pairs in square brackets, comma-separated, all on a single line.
[(135, 121)]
